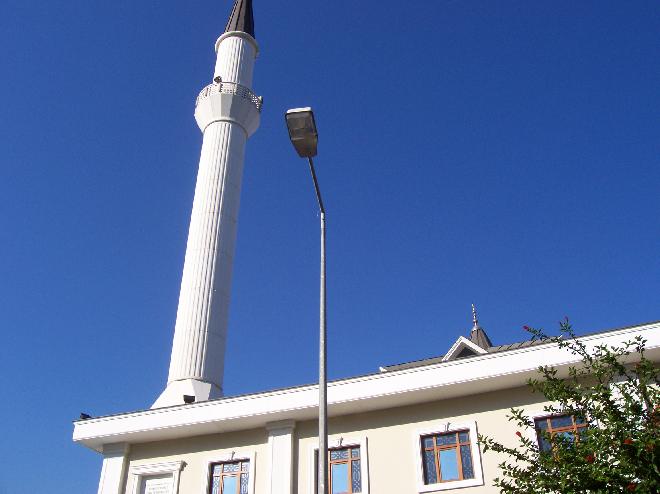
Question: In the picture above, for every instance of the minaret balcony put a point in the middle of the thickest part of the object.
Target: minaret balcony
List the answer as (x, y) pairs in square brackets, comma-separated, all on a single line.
[(231, 88), (228, 102)]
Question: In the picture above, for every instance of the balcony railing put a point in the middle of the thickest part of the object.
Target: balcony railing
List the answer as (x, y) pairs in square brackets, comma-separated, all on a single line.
[(231, 88)]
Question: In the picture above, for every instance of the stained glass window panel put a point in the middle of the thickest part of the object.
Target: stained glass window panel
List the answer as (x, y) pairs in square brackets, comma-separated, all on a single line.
[(561, 421), (215, 486), (229, 484), (428, 442), (541, 423), (356, 476), (464, 436), (355, 452), (446, 439), (544, 444), (244, 483), (448, 464), (339, 454), (339, 474), (430, 476), (466, 460), (230, 467)]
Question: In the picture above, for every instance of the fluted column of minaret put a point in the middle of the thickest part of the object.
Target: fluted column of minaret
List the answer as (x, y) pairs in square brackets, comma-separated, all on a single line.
[(201, 323), (227, 116)]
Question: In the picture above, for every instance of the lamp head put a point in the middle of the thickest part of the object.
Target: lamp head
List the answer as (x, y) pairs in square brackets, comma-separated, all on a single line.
[(302, 131)]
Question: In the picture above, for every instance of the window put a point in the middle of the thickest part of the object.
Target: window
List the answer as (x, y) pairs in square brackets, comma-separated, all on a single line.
[(230, 477), (447, 457), (348, 466), (344, 472), (565, 426)]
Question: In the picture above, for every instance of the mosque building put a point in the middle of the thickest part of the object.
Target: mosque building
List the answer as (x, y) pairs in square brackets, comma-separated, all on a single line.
[(406, 428)]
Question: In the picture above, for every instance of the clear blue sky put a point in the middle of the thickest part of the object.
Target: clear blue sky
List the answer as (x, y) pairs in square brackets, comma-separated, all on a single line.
[(503, 153)]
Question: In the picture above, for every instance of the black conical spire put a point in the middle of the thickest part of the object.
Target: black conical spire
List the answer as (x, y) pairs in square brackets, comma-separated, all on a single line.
[(241, 18)]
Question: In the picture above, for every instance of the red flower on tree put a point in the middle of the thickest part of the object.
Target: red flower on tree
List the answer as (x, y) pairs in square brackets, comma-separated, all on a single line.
[(628, 441), (518, 434), (631, 487), (589, 458)]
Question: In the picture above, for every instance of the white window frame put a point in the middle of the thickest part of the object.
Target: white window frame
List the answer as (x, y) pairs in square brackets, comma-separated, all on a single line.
[(474, 448), (228, 458), (139, 472), (341, 442)]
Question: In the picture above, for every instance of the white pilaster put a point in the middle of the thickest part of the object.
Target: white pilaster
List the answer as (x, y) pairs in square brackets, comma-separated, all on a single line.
[(113, 471), (280, 461), (227, 113)]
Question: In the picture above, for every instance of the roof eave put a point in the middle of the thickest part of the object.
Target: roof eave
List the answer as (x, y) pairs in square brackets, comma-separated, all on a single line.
[(348, 396)]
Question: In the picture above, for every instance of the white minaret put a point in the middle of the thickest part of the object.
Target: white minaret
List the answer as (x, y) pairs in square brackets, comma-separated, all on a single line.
[(227, 113)]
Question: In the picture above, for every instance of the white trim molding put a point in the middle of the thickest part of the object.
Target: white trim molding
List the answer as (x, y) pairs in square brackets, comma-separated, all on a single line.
[(461, 343), (339, 441), (441, 428), (239, 455), (139, 472)]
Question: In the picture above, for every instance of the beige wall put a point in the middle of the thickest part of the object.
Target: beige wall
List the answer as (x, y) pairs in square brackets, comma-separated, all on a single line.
[(391, 436), (197, 451)]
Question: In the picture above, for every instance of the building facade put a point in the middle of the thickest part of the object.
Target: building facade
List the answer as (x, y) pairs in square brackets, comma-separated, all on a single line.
[(408, 428), (391, 418)]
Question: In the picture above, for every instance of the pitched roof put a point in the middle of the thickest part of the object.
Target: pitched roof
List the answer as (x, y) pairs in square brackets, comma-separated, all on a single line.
[(479, 337), (494, 349)]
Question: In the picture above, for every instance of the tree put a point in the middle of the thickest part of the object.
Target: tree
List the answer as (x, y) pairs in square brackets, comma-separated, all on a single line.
[(615, 392)]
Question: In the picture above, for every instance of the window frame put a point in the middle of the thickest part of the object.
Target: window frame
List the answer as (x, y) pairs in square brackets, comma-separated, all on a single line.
[(139, 472), (338, 443), (545, 415), (229, 457), (475, 450)]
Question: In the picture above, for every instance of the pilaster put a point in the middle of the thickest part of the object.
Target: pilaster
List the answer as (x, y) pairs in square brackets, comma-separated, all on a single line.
[(280, 461), (113, 471)]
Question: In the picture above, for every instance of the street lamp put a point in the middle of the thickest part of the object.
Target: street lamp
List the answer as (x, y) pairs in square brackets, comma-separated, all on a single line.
[(304, 137)]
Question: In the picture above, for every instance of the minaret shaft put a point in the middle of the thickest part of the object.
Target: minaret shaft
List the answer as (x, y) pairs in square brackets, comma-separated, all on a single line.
[(235, 61), (201, 323), (227, 113)]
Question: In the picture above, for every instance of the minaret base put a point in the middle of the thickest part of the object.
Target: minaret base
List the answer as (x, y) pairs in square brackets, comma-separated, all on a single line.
[(176, 390)]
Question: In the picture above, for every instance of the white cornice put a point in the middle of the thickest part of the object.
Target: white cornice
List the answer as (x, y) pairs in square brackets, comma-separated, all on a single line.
[(444, 380)]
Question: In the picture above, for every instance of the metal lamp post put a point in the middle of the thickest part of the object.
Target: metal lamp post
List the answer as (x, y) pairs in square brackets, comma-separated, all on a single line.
[(304, 137)]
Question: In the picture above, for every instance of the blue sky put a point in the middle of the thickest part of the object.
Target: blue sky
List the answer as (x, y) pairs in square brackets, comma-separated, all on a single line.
[(502, 153)]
